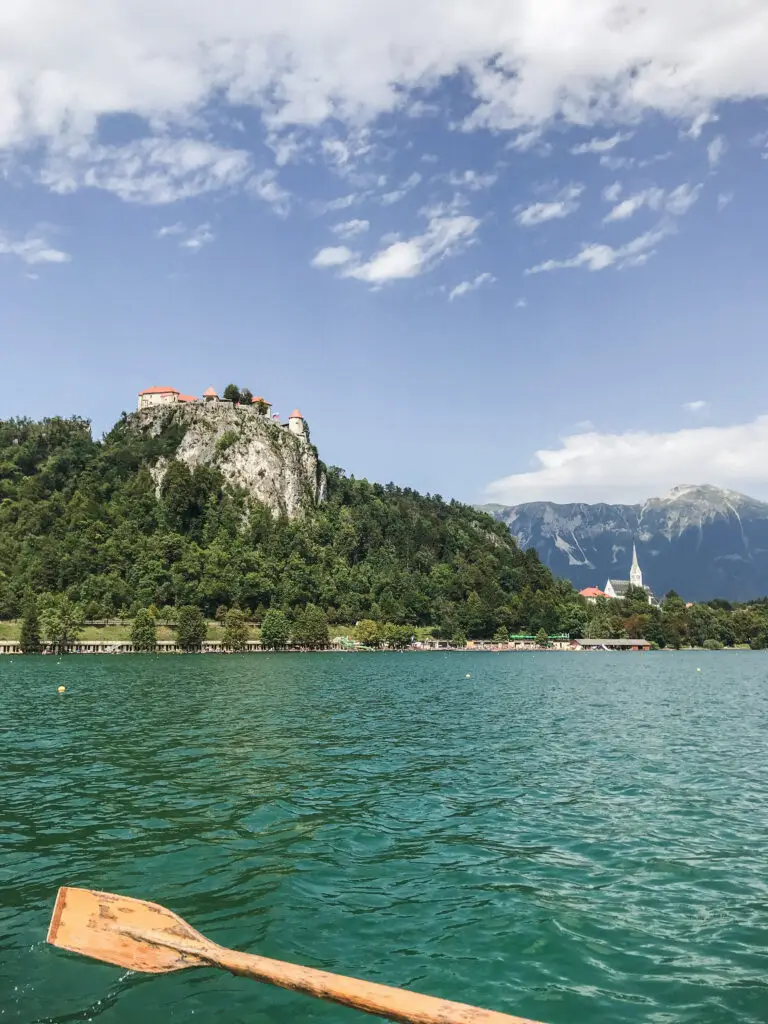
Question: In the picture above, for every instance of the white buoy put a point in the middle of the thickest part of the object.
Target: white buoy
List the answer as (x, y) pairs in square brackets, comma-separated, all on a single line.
[(62, 689)]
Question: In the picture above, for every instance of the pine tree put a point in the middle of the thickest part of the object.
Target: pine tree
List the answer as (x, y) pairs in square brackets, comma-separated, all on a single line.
[(191, 628), (144, 631), (29, 638)]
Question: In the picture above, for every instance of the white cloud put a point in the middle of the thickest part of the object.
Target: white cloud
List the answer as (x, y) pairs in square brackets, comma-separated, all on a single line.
[(612, 192), (652, 197), (389, 198), (198, 238), (473, 180), (566, 203), (445, 236), (304, 63), (465, 287), (602, 145), (597, 256), (698, 406), (699, 123), (31, 250), (715, 150), (350, 228), (676, 202), (171, 229), (632, 466), (723, 199), (521, 304), (152, 171), (333, 256), (342, 203), (681, 199), (265, 186)]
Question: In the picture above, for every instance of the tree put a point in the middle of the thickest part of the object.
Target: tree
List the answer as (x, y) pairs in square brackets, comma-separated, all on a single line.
[(369, 633), (275, 630), (261, 407), (246, 397), (235, 635), (62, 623), (231, 393), (459, 639), (191, 628), (144, 631), (501, 636), (542, 639), (712, 645), (311, 629), (221, 613), (29, 638), (397, 636)]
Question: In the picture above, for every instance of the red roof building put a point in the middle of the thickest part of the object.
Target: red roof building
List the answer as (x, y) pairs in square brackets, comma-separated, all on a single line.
[(157, 396), (210, 394), (186, 398), (592, 593)]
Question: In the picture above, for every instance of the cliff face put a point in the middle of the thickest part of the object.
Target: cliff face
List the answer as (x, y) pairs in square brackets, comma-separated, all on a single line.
[(702, 541), (275, 467)]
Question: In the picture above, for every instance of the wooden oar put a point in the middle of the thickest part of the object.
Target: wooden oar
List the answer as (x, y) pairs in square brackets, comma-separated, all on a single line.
[(146, 937)]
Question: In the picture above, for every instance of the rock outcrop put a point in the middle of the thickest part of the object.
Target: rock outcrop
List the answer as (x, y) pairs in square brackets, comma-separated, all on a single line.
[(254, 454), (702, 541)]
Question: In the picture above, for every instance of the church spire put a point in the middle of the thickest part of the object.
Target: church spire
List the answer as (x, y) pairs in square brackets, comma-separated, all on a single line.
[(635, 575)]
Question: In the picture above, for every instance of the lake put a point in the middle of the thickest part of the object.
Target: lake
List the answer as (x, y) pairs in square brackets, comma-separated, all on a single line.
[(568, 837)]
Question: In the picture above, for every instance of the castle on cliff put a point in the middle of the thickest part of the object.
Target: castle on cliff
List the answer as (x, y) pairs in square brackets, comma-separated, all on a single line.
[(151, 397)]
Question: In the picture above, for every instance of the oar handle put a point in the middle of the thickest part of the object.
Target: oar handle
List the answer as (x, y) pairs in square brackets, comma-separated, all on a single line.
[(382, 1000)]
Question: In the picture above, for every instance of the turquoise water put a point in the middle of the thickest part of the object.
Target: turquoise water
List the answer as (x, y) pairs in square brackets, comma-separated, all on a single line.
[(570, 837)]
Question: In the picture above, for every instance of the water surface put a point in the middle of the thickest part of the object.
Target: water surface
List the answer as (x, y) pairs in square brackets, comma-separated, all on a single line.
[(569, 837)]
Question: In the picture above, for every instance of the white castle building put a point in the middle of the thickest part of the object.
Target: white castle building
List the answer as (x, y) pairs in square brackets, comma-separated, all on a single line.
[(150, 397), (619, 588)]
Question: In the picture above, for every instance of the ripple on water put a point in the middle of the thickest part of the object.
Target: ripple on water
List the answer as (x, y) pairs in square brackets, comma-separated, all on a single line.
[(565, 838)]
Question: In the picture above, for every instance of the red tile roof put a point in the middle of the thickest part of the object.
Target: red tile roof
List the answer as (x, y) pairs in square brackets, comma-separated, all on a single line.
[(210, 393), (260, 399), (186, 398), (159, 391), (592, 592), (295, 415)]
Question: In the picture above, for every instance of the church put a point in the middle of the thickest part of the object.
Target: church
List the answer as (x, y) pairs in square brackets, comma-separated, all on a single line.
[(618, 588)]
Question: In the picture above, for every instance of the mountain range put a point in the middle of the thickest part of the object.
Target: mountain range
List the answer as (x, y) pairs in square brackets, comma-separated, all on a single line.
[(702, 541)]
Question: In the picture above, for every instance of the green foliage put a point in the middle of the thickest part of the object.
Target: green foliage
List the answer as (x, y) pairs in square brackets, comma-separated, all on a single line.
[(397, 636), (261, 407), (62, 622), (231, 393), (275, 630), (29, 638), (542, 638), (144, 631), (191, 629), (501, 636), (712, 645), (227, 439), (459, 639), (369, 633), (246, 397), (235, 635), (310, 630)]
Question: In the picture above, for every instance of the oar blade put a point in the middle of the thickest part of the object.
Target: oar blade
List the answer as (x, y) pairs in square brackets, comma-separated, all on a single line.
[(123, 931)]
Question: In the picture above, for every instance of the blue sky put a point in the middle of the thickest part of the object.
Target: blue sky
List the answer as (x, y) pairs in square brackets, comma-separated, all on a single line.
[(499, 251)]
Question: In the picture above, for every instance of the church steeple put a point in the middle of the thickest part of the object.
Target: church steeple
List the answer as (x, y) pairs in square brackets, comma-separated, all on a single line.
[(635, 575)]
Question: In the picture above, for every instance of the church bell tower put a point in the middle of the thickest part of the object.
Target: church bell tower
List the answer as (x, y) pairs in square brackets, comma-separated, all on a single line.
[(635, 575)]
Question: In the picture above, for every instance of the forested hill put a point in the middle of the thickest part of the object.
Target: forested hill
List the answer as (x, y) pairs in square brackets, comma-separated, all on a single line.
[(85, 518)]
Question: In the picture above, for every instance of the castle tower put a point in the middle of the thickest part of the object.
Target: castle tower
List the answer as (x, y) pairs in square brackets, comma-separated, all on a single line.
[(635, 575), (296, 423)]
